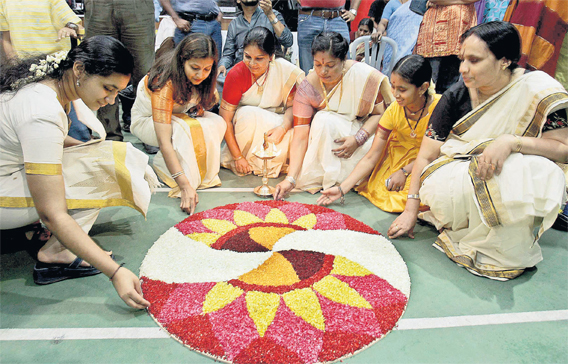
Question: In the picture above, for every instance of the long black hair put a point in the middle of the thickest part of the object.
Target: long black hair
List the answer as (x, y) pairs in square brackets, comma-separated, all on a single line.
[(331, 42), (264, 40), (170, 66), (100, 55), (502, 39)]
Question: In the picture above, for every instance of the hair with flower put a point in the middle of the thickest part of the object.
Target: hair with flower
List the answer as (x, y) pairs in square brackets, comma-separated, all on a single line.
[(98, 55)]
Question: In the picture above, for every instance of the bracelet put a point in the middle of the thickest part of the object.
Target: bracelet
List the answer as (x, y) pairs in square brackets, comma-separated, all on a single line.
[(73, 26), (519, 144), (291, 179), (177, 174), (361, 136), (414, 196), (342, 201), (406, 174), (238, 158), (112, 276)]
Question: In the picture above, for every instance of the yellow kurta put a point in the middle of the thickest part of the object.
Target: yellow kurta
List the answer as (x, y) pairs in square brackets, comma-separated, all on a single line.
[(401, 150)]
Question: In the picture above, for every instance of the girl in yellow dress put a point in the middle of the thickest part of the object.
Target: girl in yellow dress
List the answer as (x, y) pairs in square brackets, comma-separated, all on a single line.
[(397, 140)]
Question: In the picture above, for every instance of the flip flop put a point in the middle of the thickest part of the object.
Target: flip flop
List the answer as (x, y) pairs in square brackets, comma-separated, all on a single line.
[(47, 273)]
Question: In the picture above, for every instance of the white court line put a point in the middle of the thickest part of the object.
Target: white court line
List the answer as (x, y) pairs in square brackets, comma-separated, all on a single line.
[(107, 333), (220, 189)]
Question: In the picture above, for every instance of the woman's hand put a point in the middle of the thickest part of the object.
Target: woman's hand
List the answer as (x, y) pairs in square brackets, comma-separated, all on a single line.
[(127, 286), (243, 166), (276, 135), (403, 224), (283, 189), (189, 199), (329, 195), (493, 157), (347, 147), (397, 180), (222, 70)]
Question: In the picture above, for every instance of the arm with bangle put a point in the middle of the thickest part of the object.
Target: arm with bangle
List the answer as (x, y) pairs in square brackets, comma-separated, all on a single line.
[(405, 222), (362, 169), (298, 148), (189, 198), (241, 164)]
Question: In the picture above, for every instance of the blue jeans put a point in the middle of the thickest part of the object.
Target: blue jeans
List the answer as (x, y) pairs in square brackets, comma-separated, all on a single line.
[(308, 27), (212, 28)]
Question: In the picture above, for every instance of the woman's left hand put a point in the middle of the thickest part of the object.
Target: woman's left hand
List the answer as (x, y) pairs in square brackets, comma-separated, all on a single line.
[(347, 147), (276, 135), (493, 157), (397, 181)]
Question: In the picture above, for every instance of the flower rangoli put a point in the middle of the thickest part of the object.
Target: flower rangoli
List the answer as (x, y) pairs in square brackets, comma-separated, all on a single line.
[(274, 282)]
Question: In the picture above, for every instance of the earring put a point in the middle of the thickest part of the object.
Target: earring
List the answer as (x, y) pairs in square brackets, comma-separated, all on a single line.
[(78, 84)]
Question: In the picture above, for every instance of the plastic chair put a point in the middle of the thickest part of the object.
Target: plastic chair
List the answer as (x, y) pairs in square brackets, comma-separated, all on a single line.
[(374, 55)]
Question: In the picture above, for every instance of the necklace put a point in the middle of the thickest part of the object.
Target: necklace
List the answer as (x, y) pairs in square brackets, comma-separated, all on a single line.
[(413, 130), (419, 110), (326, 97), (261, 87)]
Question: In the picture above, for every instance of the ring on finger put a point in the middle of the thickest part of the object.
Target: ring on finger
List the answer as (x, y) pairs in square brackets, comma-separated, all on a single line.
[(492, 166)]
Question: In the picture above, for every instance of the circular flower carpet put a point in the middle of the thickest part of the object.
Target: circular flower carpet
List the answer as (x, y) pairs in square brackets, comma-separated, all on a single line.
[(274, 282)]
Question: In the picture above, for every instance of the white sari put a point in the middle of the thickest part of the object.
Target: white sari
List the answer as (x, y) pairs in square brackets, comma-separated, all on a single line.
[(488, 226), (349, 105), (259, 112), (197, 141)]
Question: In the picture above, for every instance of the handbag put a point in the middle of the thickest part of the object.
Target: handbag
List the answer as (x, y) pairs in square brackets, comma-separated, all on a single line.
[(419, 6)]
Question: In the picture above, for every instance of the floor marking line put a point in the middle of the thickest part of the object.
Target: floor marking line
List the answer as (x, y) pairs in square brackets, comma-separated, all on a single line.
[(220, 189), (106, 333)]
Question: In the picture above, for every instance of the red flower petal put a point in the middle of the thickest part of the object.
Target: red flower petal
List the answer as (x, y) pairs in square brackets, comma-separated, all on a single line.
[(157, 292), (233, 327), (337, 344), (330, 221), (257, 209), (264, 350), (186, 300), (377, 291), (189, 227), (197, 333)]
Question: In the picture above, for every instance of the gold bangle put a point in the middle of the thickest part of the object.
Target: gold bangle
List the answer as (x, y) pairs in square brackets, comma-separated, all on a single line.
[(238, 158), (519, 144)]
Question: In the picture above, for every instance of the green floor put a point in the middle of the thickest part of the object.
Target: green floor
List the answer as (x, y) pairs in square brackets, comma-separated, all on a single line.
[(440, 290)]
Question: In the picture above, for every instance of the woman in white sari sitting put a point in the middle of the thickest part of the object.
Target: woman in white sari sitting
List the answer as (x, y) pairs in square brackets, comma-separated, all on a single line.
[(169, 113), (257, 99), (46, 175), (488, 159), (336, 110)]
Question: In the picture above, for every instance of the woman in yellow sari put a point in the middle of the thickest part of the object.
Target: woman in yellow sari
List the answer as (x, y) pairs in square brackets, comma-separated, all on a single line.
[(336, 110), (487, 161), (397, 140), (169, 113)]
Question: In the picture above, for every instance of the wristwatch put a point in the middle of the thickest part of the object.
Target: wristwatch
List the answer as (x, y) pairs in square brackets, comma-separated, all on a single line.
[(353, 11), (73, 26), (274, 21)]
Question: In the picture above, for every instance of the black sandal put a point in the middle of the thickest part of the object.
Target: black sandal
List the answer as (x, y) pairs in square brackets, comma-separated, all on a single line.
[(47, 273)]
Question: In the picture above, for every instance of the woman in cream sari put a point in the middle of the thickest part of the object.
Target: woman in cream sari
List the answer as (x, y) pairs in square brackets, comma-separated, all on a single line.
[(257, 99), (347, 98), (169, 113), (487, 161), (67, 187)]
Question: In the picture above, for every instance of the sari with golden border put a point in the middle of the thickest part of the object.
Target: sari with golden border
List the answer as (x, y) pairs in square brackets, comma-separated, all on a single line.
[(488, 226)]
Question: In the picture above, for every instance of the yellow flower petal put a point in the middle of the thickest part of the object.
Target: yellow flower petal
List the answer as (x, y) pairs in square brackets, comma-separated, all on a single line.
[(243, 218), (220, 296), (345, 267), (219, 226), (262, 309), (267, 236), (338, 291), (275, 271), (276, 215), (206, 238), (304, 303), (306, 221)]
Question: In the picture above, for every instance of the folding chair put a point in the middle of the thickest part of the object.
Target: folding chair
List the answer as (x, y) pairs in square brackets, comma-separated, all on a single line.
[(374, 55)]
